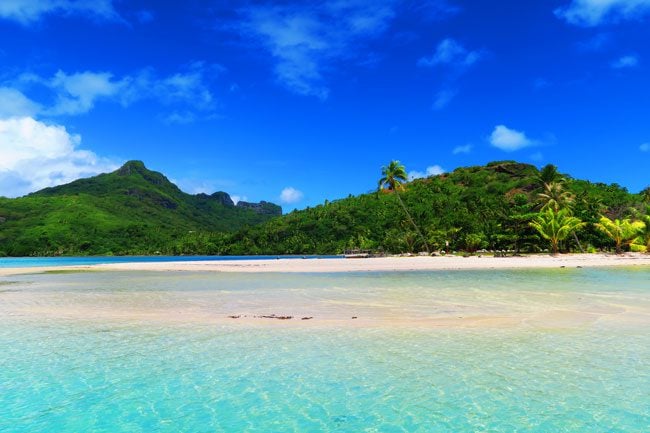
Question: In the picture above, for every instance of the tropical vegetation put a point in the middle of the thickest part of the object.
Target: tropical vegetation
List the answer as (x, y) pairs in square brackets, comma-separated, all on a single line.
[(470, 209), (556, 226), (392, 180), (504, 205), (624, 232)]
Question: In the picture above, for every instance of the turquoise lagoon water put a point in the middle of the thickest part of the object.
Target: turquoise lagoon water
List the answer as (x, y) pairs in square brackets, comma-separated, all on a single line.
[(565, 350)]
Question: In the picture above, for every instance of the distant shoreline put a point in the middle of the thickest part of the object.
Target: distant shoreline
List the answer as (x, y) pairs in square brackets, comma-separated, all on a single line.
[(381, 264)]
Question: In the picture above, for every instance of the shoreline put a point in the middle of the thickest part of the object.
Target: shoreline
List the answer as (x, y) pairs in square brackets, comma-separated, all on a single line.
[(380, 264)]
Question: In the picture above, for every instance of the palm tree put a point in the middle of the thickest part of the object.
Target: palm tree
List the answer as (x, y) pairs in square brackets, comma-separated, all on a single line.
[(393, 178), (549, 174), (556, 226), (646, 233), (555, 197), (622, 232)]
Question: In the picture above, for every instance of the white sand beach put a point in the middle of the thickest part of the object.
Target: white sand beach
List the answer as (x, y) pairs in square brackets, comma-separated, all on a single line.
[(363, 264)]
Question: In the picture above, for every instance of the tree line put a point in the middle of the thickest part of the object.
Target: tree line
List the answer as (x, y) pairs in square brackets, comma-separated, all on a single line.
[(504, 205)]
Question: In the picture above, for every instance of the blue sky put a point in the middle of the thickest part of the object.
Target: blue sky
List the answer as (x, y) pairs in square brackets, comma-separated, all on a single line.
[(298, 102)]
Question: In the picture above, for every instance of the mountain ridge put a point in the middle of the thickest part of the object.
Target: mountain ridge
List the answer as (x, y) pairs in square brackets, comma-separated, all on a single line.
[(132, 209)]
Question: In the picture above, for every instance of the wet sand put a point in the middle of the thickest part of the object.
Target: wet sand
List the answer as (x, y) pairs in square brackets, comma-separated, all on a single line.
[(363, 265)]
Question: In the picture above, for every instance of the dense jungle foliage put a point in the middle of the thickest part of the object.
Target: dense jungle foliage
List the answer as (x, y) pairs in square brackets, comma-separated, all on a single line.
[(484, 207), (494, 207)]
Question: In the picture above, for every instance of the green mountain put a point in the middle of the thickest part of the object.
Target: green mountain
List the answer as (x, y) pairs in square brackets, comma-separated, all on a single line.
[(468, 209), (132, 210)]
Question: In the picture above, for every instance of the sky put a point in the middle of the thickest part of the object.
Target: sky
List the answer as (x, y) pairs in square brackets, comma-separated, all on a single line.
[(298, 102)]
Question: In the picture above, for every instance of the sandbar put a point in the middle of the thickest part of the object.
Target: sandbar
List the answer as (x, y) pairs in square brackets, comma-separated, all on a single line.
[(379, 264)]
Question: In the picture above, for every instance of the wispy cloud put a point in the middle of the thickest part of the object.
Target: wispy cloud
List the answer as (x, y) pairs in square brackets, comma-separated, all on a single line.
[(306, 39), (467, 148), (431, 10), (291, 195), (645, 147), (456, 60), (180, 118), (590, 13), (432, 170), (14, 104), (36, 155), (443, 98), (509, 140), (28, 11), (629, 61), (453, 53), (597, 42), (77, 93)]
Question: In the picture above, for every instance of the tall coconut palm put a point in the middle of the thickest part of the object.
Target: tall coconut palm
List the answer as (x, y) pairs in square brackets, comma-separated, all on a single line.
[(393, 178), (549, 174), (622, 232), (555, 197), (556, 226)]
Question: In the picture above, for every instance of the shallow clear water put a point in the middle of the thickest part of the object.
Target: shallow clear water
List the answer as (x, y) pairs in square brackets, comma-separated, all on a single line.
[(466, 351)]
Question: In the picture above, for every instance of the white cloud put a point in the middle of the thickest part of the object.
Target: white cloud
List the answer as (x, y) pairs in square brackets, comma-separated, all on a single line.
[(77, 93), (645, 147), (467, 148), (629, 61), (433, 170), (188, 87), (589, 13), (290, 195), (36, 155), (202, 185), (27, 11), (237, 198), (457, 59), (443, 98), (306, 39), (180, 118), (451, 52), (14, 104), (508, 139)]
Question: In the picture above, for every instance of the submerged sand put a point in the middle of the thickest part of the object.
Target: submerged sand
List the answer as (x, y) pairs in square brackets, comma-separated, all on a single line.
[(363, 264), (360, 302)]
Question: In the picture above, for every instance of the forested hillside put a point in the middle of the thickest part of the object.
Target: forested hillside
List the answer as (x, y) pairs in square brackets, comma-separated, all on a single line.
[(130, 211), (471, 208)]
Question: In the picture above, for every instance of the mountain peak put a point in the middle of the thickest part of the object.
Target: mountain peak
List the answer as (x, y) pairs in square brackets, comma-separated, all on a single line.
[(137, 168), (133, 166)]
